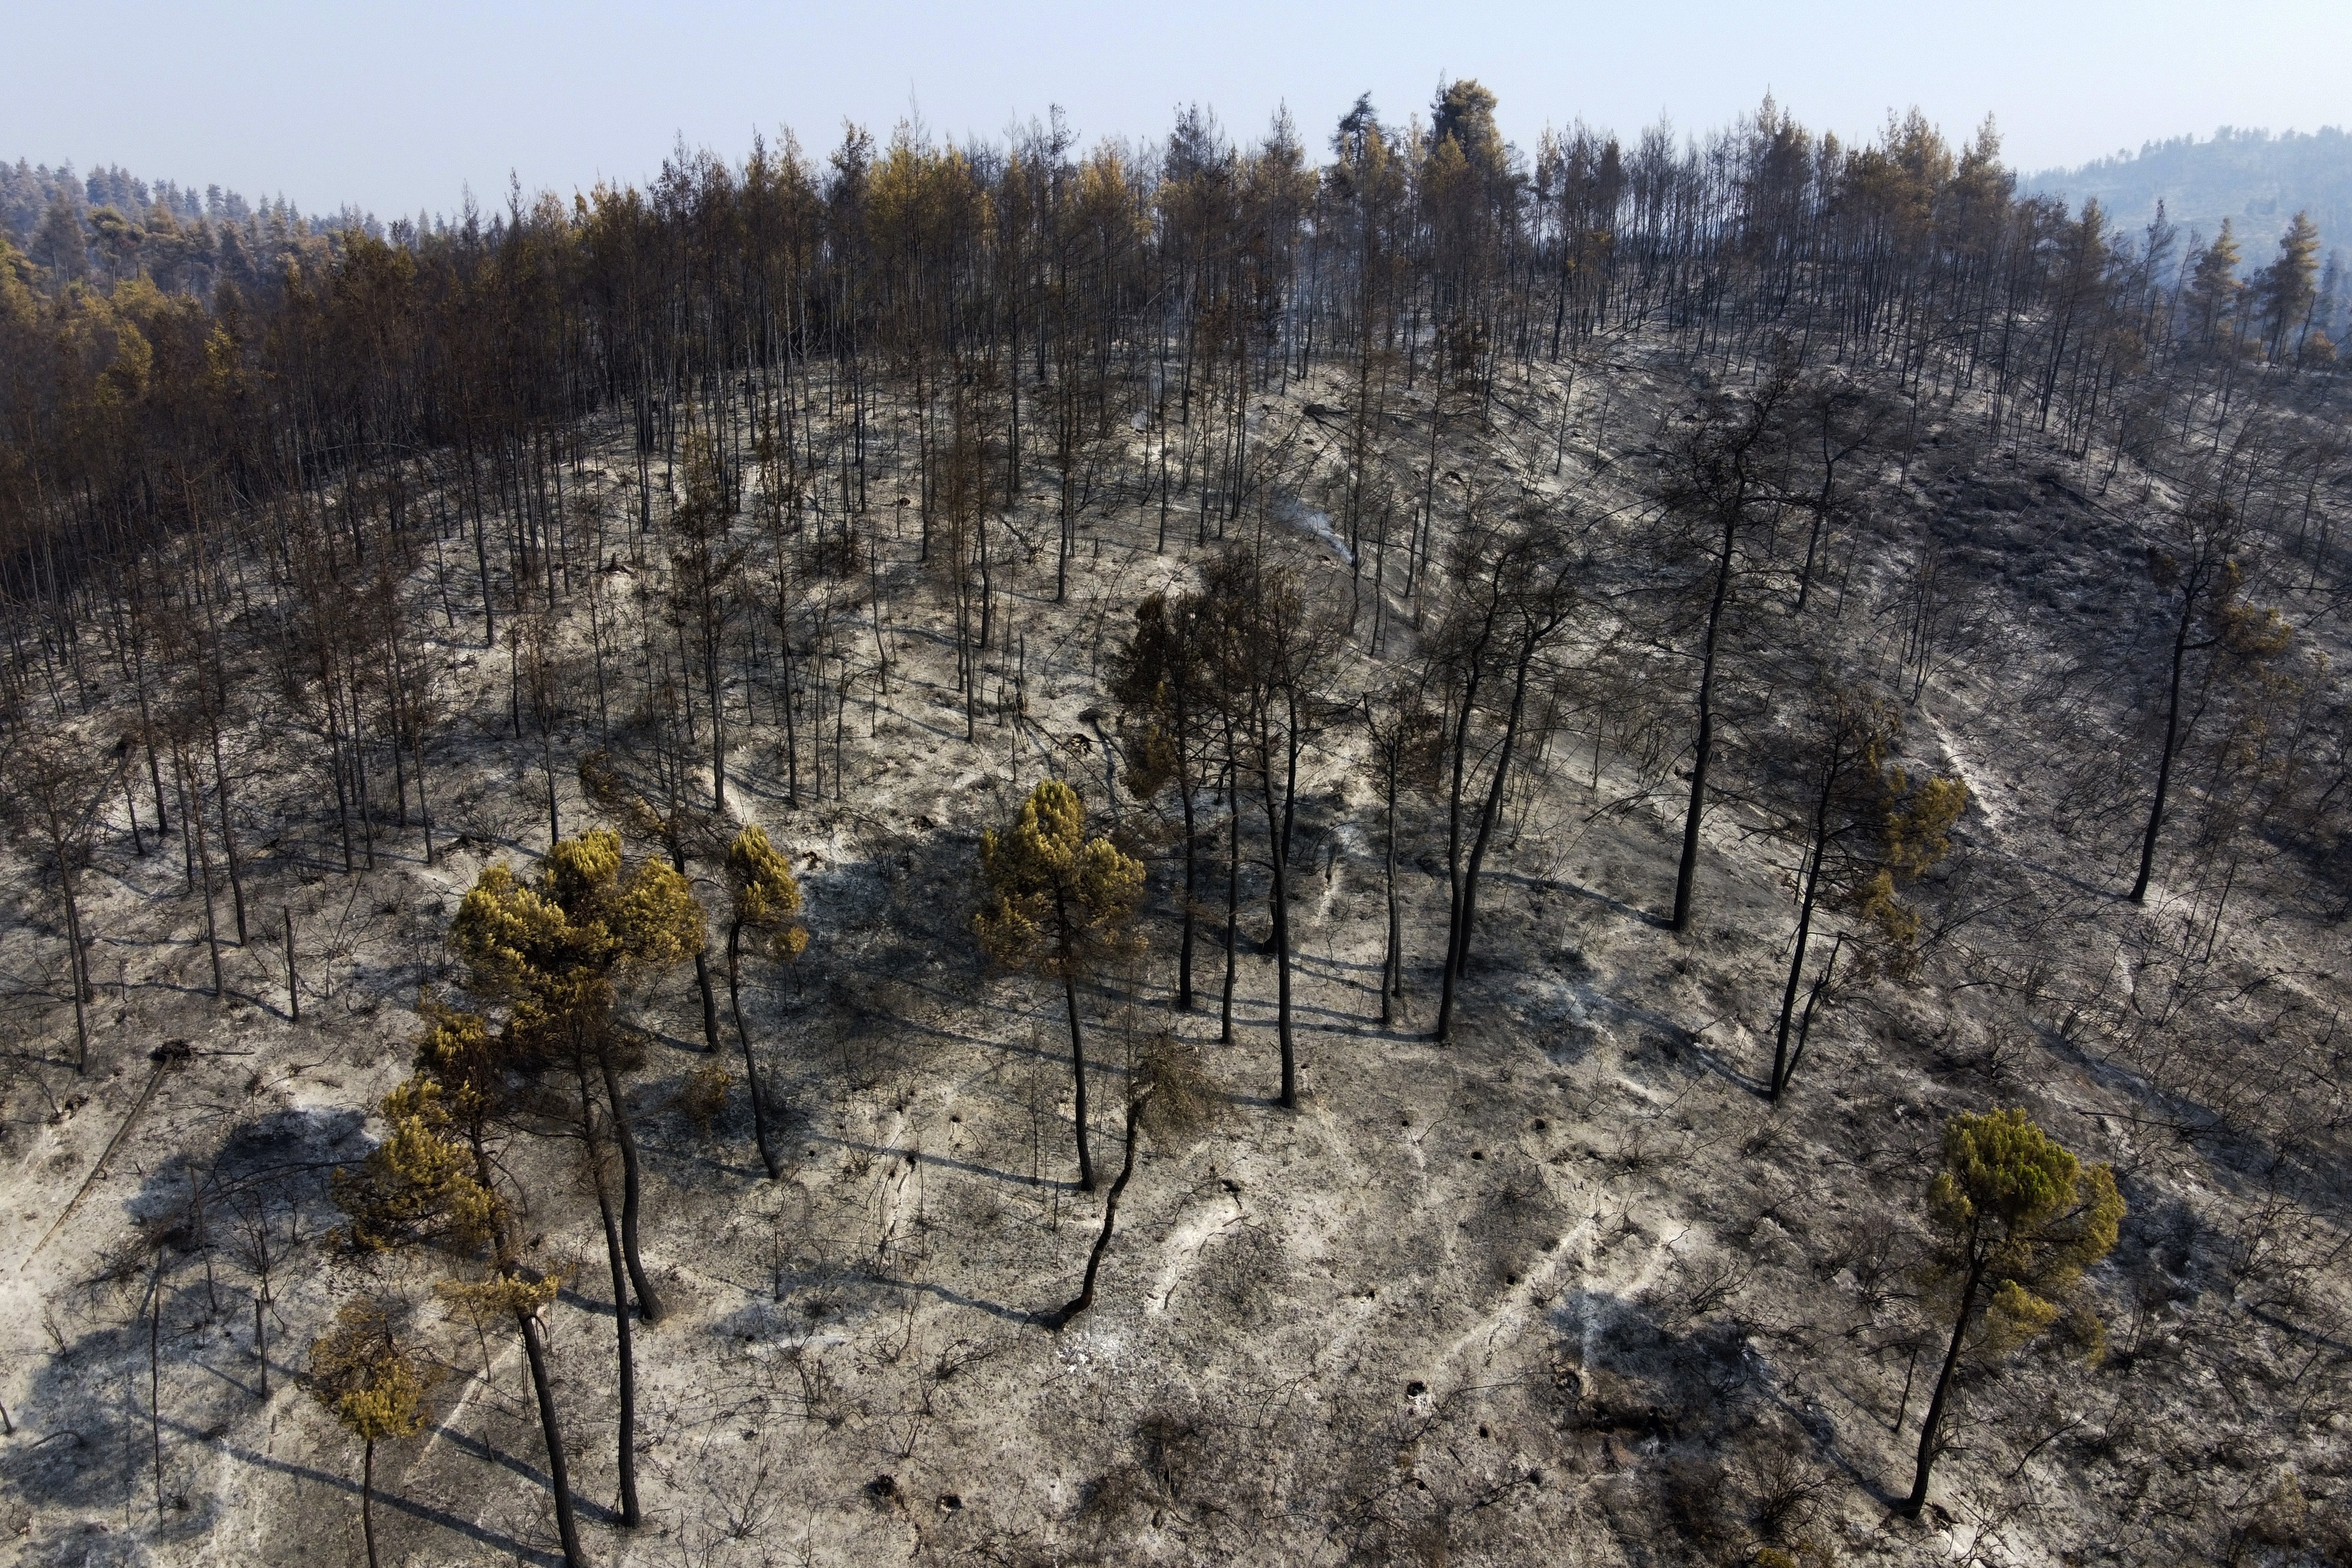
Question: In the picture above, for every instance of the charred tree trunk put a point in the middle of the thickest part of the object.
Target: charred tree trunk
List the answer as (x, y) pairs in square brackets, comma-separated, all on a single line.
[(76, 958), (2181, 648), (631, 1514), (1278, 905), (367, 1500), (1078, 1045), (1392, 966), (1457, 956), (1805, 1020), (649, 1303), (1686, 869), (1931, 1426), (1232, 900), (1191, 859), (1783, 1068), (558, 1474), (1059, 1319), (751, 1062)]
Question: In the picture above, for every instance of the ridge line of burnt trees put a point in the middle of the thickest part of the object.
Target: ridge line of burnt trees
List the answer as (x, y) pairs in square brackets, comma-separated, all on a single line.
[(1073, 294)]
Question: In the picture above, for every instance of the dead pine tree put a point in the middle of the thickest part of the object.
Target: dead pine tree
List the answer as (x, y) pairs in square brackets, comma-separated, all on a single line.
[(705, 557), (1407, 742), (1521, 597), (1230, 788), (2201, 579), (1272, 654), (1865, 826), (257, 1249), (554, 953), (430, 1183), (766, 898), (293, 978), (1169, 1095), (513, 1295), (658, 810), (193, 820), (1156, 677), (1719, 492), (960, 483), (541, 677), (596, 1160), (547, 951), (55, 790), (1838, 421)]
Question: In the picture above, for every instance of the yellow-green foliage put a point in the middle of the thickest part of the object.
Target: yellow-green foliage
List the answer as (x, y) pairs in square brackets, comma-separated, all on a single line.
[(703, 1095), (551, 949), (2015, 1316), (766, 897), (1916, 835), (17, 306), (1057, 897), (2256, 632), (1919, 830), (500, 1295), (358, 1372), (418, 1186), (513, 939), (2023, 1213), (2284, 1516), (1808, 1554), (458, 1052), (921, 195), (706, 506), (1154, 756)]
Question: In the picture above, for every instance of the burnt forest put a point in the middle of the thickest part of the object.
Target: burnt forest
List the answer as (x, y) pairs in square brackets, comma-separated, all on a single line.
[(1345, 844)]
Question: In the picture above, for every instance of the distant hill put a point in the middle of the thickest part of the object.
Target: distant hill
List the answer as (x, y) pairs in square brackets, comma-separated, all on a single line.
[(2252, 177), (27, 189), (110, 224)]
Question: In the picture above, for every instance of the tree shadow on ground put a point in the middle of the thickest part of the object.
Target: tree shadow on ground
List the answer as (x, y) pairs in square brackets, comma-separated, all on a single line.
[(397, 1504)]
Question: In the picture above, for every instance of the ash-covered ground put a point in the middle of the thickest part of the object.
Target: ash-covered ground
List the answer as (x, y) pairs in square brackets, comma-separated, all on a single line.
[(1566, 1288)]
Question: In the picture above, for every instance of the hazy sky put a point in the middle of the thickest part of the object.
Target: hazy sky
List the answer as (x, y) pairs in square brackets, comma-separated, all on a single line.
[(396, 107)]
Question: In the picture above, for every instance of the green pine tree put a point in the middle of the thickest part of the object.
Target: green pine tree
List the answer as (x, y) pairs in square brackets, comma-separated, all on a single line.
[(2214, 287), (1059, 904), (2020, 1218), (2291, 284), (359, 1373)]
